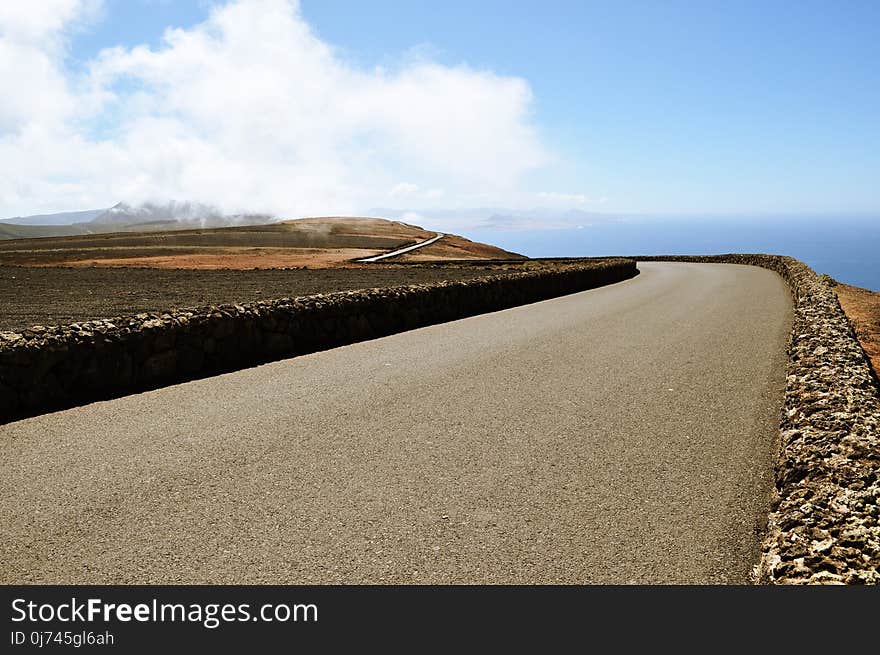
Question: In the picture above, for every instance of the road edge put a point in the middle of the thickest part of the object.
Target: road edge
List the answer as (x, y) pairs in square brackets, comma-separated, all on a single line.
[(823, 527)]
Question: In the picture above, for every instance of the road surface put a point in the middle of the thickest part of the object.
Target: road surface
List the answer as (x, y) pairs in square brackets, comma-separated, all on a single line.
[(403, 251), (623, 434)]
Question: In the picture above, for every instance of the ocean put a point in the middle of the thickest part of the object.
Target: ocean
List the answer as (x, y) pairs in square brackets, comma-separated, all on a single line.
[(846, 248)]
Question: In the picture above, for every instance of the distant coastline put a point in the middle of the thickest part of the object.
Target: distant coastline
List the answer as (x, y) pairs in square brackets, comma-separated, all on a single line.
[(846, 248)]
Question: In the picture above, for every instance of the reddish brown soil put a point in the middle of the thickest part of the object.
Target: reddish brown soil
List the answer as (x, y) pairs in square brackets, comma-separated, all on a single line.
[(862, 306), (232, 259)]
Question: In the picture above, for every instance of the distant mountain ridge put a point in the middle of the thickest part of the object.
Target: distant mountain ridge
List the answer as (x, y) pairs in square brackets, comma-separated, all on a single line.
[(123, 217), (500, 218), (60, 218)]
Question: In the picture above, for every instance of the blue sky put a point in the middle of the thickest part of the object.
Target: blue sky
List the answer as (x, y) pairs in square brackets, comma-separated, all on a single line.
[(673, 108)]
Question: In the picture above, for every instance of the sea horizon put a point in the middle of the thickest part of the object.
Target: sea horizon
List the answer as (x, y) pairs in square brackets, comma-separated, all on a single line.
[(844, 247)]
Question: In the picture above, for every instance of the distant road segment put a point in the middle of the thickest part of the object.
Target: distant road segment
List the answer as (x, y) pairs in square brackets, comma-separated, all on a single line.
[(402, 251), (623, 434)]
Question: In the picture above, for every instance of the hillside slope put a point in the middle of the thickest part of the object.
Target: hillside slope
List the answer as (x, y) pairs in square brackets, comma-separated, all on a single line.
[(313, 242), (57, 219), (452, 247), (16, 231)]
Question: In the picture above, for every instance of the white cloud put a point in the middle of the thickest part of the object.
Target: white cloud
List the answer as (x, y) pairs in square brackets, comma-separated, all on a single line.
[(43, 21), (36, 93), (249, 111)]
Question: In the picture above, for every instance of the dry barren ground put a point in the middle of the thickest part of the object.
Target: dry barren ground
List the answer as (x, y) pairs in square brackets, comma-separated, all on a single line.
[(53, 295), (452, 247), (863, 309), (57, 280)]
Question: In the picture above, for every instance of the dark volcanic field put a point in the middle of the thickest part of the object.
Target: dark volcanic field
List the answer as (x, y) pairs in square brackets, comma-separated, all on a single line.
[(49, 296)]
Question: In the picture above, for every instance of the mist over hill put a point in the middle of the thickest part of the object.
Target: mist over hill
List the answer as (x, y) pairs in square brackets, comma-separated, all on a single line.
[(188, 214), (123, 217)]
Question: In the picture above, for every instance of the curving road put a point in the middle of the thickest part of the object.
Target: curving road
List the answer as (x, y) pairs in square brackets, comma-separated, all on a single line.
[(623, 434), (402, 251)]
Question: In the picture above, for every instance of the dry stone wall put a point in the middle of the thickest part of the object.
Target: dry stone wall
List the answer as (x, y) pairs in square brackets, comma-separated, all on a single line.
[(49, 368), (824, 525)]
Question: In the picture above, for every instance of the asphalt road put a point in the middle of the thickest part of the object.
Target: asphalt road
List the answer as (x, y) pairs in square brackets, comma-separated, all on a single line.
[(623, 434), (403, 251)]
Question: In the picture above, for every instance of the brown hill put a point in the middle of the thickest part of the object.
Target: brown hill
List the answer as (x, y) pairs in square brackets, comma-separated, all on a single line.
[(452, 247), (313, 242)]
